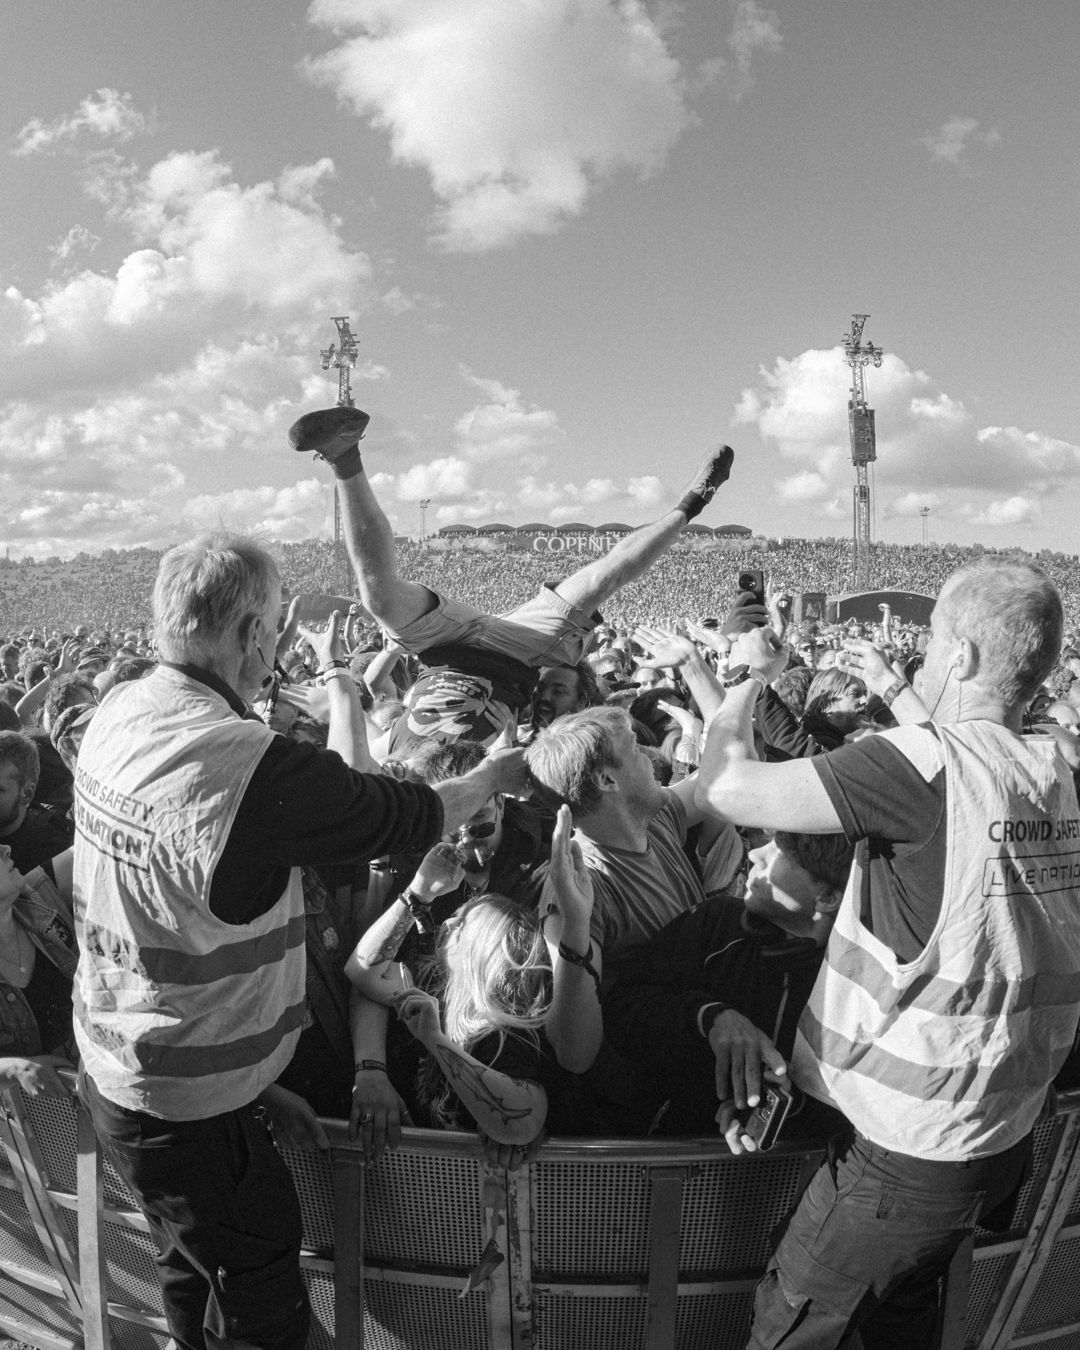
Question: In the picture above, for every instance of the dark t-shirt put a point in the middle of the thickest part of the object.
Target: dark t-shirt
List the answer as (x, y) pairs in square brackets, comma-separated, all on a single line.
[(896, 817), (432, 1103)]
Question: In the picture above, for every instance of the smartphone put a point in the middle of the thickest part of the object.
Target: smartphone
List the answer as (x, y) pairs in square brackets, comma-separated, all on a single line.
[(765, 1121), (316, 608), (754, 582)]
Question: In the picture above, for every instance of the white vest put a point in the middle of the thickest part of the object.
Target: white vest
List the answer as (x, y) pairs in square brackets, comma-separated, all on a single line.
[(949, 1057), (176, 1012)]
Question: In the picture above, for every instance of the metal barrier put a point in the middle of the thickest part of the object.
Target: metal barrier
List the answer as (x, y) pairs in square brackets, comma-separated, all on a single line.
[(598, 1245)]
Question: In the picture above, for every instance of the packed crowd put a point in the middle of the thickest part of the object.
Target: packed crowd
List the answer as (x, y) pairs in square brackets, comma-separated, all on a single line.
[(113, 589), (542, 870)]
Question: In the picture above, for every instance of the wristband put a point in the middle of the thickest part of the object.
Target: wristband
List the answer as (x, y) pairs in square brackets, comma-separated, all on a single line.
[(576, 959), (335, 664), (741, 675), (714, 1010), (894, 691), (372, 1065), (419, 909)]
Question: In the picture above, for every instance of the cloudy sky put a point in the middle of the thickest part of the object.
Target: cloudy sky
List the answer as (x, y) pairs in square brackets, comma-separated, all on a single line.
[(578, 241)]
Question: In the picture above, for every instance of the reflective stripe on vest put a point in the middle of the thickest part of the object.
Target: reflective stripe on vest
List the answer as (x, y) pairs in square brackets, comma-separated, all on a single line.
[(949, 1057), (176, 1012)]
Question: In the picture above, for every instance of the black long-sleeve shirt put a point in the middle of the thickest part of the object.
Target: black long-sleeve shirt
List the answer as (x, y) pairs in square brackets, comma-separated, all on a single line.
[(304, 805)]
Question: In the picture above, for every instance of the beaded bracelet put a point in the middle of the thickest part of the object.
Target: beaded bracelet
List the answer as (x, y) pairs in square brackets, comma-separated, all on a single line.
[(576, 959)]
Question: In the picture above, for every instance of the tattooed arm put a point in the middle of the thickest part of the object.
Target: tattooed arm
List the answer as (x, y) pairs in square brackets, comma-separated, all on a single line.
[(371, 967), (508, 1110)]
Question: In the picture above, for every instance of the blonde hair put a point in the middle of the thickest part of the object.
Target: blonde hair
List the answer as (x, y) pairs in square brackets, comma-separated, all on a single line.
[(501, 980)]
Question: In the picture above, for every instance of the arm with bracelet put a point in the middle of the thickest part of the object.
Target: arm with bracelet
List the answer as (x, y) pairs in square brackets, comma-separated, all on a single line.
[(575, 1024), (881, 678), (378, 1112), (371, 968)]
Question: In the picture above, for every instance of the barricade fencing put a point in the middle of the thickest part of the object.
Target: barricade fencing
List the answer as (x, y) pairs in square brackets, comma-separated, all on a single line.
[(597, 1245)]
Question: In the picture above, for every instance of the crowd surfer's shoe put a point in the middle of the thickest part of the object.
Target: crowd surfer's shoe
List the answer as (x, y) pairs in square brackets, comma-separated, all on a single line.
[(712, 471), (330, 432)]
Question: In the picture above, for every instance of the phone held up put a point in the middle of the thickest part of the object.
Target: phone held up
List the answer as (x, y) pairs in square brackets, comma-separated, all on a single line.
[(766, 1120), (754, 582)]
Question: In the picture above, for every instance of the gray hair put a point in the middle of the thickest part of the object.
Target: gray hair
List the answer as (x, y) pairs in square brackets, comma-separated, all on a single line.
[(1011, 613), (208, 587), (565, 756)]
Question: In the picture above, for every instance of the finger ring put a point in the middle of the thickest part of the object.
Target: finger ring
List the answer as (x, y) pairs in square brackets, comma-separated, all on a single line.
[(367, 1118)]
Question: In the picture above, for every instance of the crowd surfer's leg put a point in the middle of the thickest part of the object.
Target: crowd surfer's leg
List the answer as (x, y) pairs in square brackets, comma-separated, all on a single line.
[(596, 582), (334, 434)]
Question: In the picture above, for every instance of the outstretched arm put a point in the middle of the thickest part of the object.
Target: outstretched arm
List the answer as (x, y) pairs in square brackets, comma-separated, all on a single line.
[(732, 782), (575, 1024)]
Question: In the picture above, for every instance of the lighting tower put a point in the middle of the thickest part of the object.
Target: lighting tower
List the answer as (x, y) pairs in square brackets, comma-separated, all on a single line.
[(924, 511), (342, 358), (858, 355)]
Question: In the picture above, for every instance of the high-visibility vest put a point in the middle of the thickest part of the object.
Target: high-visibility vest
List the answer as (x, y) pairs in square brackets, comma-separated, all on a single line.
[(949, 1056), (177, 1013)]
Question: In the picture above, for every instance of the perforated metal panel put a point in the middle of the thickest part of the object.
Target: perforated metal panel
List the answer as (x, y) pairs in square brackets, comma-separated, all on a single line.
[(53, 1121), (730, 1209), (424, 1210), (320, 1288), (1056, 1301), (127, 1335), (314, 1177), (988, 1276), (18, 1241), (418, 1316), (129, 1259), (1044, 1134), (21, 1304), (590, 1218)]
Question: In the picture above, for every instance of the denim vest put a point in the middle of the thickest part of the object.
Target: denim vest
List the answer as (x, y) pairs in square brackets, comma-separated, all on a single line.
[(41, 912)]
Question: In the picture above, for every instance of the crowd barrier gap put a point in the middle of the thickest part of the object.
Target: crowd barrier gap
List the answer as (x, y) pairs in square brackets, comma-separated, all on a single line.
[(597, 1245)]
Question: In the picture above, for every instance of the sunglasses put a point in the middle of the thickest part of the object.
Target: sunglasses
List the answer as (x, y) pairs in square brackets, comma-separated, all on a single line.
[(484, 830)]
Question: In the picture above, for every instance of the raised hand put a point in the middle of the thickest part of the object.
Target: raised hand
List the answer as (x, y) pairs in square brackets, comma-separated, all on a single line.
[(568, 888), (327, 645), (667, 647), (760, 649), (440, 871)]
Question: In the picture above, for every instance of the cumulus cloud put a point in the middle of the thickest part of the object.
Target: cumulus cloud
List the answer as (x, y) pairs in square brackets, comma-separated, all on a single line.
[(300, 511), (106, 115), (755, 31), (504, 425), (1018, 510), (954, 140), (463, 491), (78, 240), (516, 112), (217, 258), (931, 450)]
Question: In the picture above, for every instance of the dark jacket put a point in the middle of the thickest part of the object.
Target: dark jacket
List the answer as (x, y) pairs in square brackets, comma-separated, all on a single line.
[(714, 953)]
